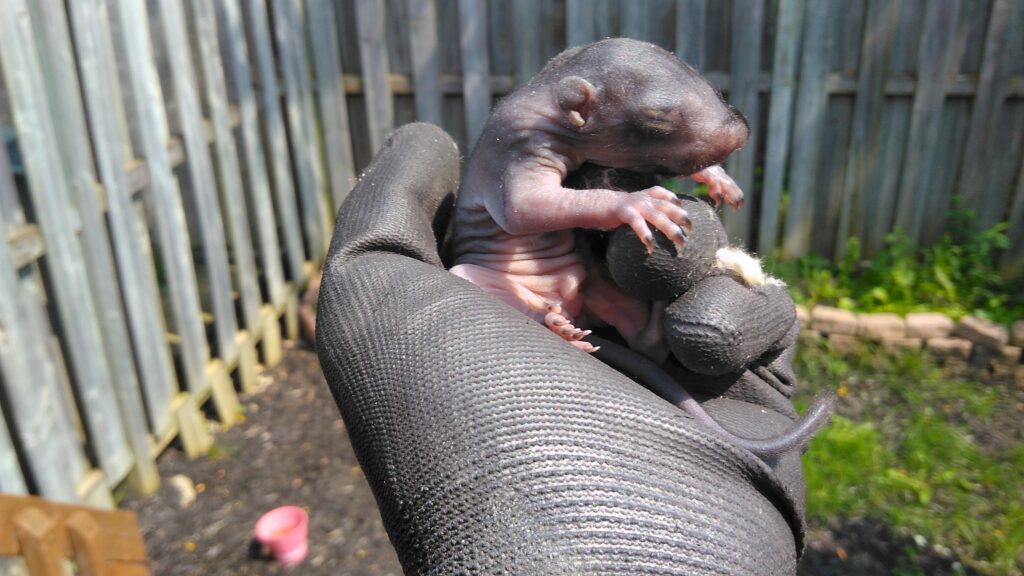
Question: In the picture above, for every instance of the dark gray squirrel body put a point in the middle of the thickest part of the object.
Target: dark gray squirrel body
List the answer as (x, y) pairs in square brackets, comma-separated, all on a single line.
[(617, 103)]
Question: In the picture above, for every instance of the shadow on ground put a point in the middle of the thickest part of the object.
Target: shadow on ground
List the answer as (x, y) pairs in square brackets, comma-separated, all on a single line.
[(291, 448)]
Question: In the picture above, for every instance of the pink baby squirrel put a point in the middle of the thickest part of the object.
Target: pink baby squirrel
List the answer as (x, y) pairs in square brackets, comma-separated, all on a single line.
[(617, 103)]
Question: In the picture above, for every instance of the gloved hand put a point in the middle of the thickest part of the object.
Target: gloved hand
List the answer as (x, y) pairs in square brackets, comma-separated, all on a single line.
[(493, 446)]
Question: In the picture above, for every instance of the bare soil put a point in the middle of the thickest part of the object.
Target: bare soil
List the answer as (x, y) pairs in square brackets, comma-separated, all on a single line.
[(291, 448)]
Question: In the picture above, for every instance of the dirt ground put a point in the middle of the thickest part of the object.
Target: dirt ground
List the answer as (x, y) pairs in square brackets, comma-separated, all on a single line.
[(291, 448)]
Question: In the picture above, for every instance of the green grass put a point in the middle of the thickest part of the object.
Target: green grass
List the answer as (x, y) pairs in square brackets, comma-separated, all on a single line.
[(925, 454)]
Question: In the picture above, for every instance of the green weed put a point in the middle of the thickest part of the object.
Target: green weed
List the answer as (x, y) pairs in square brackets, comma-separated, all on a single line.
[(957, 276)]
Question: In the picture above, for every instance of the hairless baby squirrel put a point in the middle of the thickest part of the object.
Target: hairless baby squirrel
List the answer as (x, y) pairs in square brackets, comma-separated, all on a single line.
[(616, 103)]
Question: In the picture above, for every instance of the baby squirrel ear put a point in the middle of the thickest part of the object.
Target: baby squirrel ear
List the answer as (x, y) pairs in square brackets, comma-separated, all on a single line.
[(576, 97)]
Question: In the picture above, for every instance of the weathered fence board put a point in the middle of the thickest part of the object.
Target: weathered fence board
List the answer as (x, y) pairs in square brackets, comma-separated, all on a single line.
[(864, 139), (747, 28), (298, 108), (331, 98), (58, 65), (934, 56), (166, 208), (811, 103), (426, 66), (229, 171), (39, 419), (202, 186), (237, 57), (65, 261), (475, 69), (380, 114), (280, 161), (11, 478), (784, 65)]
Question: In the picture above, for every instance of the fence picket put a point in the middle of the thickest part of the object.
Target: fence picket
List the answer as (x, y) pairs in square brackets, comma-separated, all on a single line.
[(62, 78), (302, 125), (373, 55), (879, 26), (476, 72), (933, 72), (39, 422), (789, 22), (280, 160), (992, 85), (579, 22), (529, 59), (331, 98), (237, 55), (203, 184), (811, 101), (747, 31), (235, 212), (426, 65), (66, 263), (165, 196)]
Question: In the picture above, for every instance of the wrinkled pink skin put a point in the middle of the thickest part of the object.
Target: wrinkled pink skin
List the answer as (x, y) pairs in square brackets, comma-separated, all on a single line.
[(513, 221)]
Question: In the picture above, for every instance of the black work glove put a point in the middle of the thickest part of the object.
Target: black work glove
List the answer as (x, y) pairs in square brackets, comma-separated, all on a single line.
[(493, 446)]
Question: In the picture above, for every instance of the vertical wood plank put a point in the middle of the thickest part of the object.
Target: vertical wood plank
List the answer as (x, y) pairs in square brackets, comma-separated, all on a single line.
[(32, 388), (11, 479), (288, 33), (933, 68), (229, 171), (579, 22), (476, 74), (879, 27), (237, 54), (165, 196), (331, 98), (203, 184), (529, 58), (426, 63), (634, 19), (691, 22), (811, 101), (66, 263), (747, 31), (885, 164), (789, 20), (277, 140), (987, 105), (373, 56), (61, 75)]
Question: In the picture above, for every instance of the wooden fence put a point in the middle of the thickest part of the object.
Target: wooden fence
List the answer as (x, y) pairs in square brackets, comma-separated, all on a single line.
[(175, 165)]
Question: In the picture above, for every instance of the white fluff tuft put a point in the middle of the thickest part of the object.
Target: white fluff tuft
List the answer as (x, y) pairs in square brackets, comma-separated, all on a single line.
[(743, 267)]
